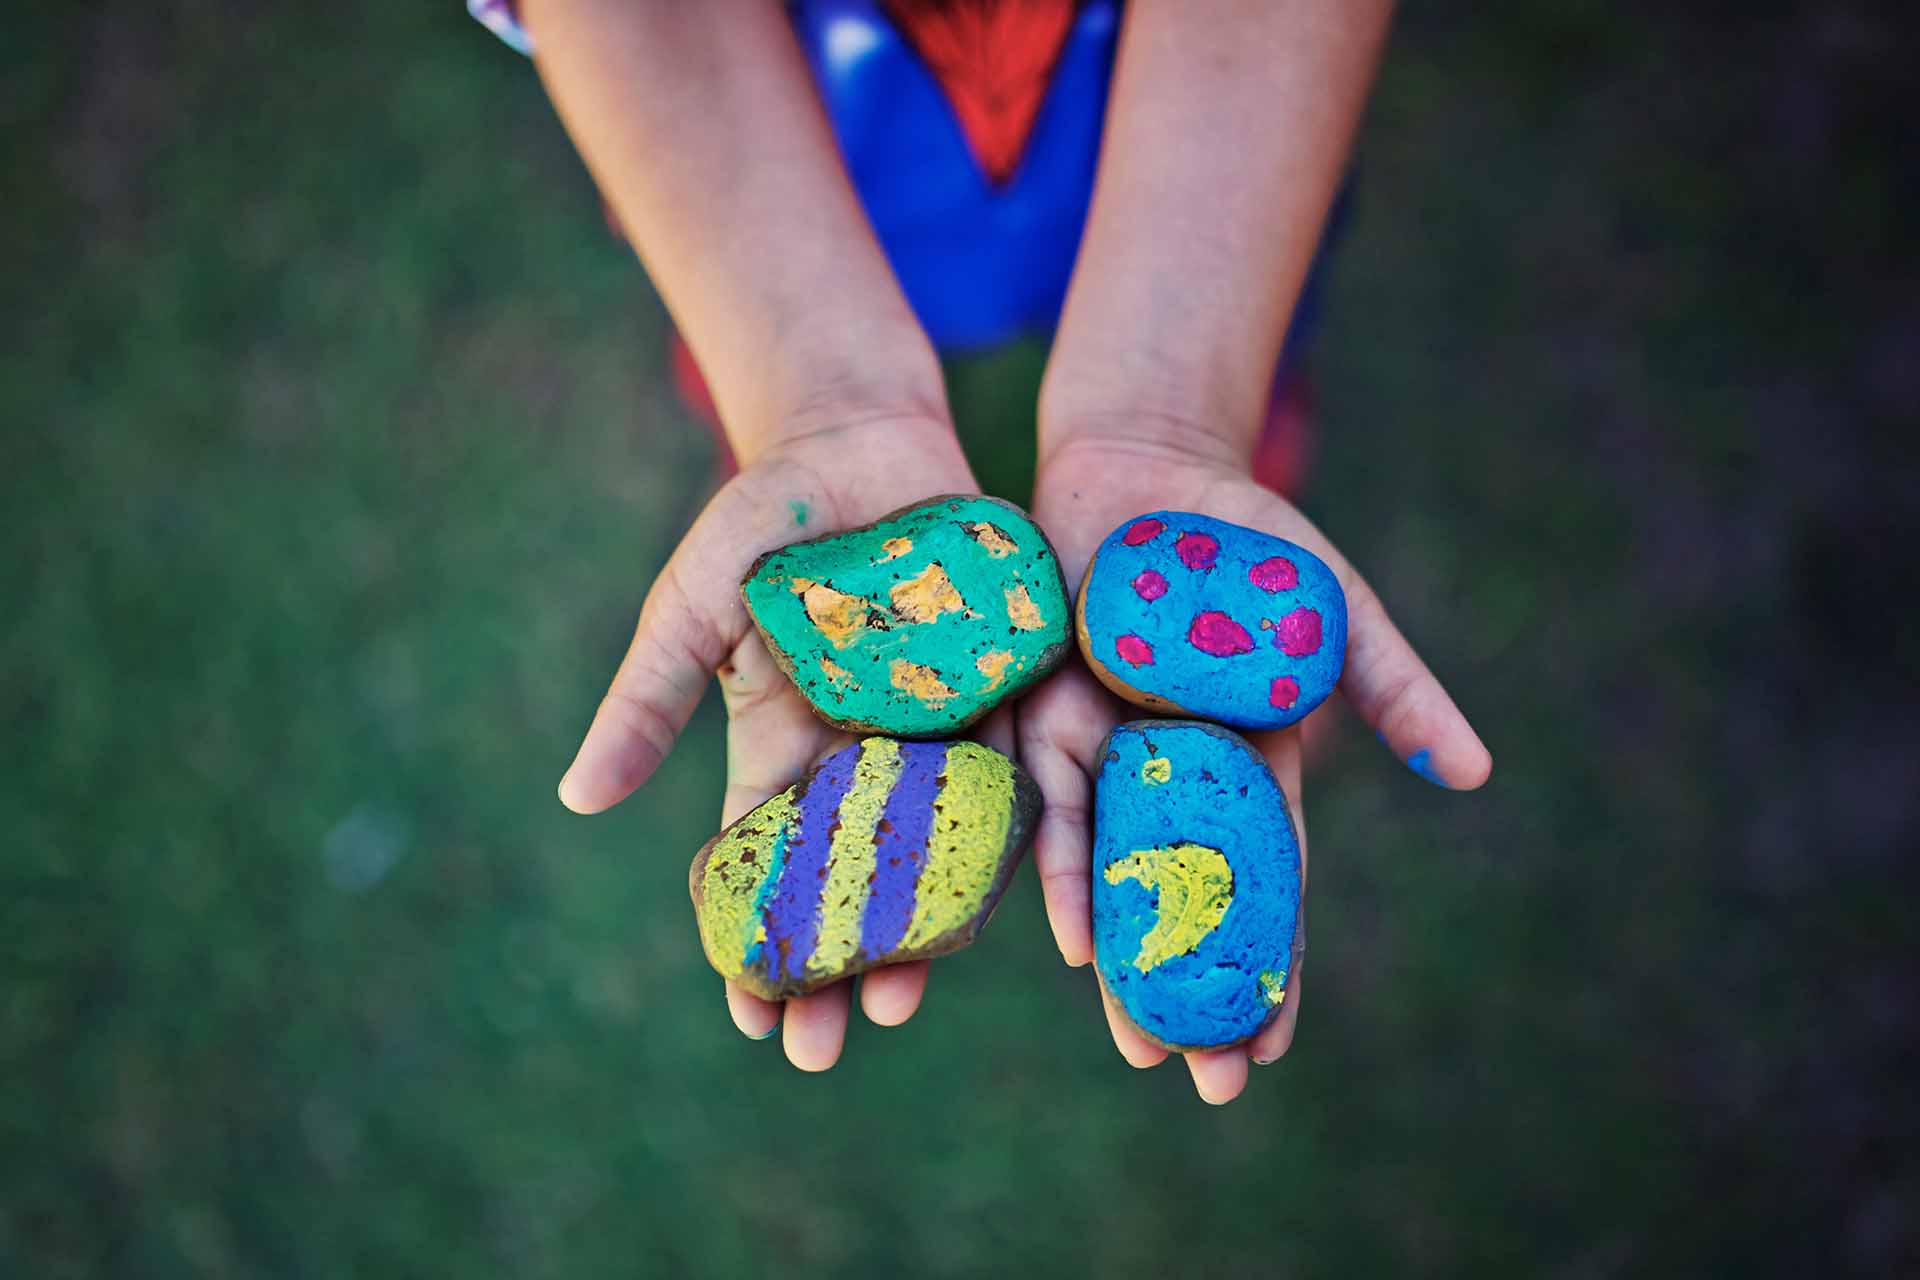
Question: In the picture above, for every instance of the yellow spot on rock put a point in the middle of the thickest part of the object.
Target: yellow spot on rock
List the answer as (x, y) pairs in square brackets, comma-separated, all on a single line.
[(835, 614), (925, 597), (921, 682), (1273, 986), (994, 667), (1195, 888), (837, 676), (1157, 771), (895, 548), (1022, 612), (992, 539)]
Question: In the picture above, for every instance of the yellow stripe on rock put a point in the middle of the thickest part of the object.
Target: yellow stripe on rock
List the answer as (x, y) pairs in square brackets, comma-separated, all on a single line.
[(850, 857), (894, 548), (736, 870), (926, 596), (1195, 886), (837, 676), (970, 821)]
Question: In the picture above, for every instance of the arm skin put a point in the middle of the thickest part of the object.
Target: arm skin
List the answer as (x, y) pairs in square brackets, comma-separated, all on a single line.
[(701, 125), (1227, 136)]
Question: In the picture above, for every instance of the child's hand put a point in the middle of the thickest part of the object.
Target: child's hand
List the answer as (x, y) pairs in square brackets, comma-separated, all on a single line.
[(1083, 491), (693, 626)]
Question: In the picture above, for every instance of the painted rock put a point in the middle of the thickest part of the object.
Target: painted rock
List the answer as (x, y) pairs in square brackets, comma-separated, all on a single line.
[(1196, 883), (1195, 616), (919, 623), (886, 851)]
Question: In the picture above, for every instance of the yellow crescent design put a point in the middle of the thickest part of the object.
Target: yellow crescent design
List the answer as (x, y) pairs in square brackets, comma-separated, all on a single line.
[(1194, 888)]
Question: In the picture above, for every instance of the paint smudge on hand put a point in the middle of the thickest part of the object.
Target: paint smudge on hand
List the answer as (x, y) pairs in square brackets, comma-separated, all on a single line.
[(1421, 762)]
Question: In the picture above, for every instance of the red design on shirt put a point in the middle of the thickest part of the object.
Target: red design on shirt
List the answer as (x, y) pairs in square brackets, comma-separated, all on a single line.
[(994, 59)]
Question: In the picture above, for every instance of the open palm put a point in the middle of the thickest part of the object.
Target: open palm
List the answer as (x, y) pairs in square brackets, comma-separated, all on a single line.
[(1084, 490), (694, 626)]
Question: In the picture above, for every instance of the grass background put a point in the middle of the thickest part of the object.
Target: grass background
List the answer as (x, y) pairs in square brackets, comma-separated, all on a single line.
[(338, 452)]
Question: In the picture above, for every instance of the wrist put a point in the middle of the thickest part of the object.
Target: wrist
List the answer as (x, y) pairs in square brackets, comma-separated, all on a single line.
[(815, 388), (1153, 438), (1150, 407)]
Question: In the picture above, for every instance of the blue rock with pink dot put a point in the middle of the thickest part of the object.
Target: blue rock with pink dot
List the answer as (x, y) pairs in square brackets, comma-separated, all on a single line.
[(1189, 615)]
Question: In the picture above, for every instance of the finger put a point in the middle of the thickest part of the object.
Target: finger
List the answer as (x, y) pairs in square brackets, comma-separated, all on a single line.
[(1061, 727), (1218, 1074), (1384, 679), (1134, 1047), (891, 995), (1276, 1037), (756, 1018), (1392, 690), (816, 1028), (1284, 752), (659, 683), (997, 730), (772, 736)]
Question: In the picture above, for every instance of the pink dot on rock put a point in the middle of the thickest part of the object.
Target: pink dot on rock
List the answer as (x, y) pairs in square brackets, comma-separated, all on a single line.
[(1150, 585), (1297, 634), (1143, 531), (1284, 692), (1277, 574), (1197, 550), (1134, 650), (1215, 633)]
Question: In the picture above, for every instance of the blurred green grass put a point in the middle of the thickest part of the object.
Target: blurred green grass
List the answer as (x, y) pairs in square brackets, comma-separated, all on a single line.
[(339, 453)]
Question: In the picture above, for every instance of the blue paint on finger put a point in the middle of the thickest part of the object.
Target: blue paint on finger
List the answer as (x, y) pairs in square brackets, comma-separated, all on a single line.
[(800, 511), (1421, 762)]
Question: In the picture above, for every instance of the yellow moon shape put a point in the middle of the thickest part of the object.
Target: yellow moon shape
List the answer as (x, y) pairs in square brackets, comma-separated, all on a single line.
[(1194, 885)]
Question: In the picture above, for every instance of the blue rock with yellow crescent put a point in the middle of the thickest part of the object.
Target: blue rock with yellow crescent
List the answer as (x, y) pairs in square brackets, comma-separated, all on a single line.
[(1196, 883)]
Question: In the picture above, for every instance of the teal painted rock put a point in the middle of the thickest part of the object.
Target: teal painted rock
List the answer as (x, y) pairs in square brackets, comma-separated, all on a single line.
[(919, 623), (887, 851), (1193, 616), (1196, 884)]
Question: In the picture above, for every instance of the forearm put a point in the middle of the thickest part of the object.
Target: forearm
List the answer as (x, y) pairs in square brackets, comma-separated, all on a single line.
[(1227, 137), (701, 125)]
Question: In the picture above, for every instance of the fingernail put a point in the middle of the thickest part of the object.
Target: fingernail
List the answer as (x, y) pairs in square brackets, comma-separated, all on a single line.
[(1421, 762), (765, 1035), (1263, 1062)]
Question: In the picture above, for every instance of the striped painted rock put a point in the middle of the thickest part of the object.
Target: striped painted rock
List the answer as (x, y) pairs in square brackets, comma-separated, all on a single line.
[(886, 851), (1193, 616), (1196, 883), (918, 624)]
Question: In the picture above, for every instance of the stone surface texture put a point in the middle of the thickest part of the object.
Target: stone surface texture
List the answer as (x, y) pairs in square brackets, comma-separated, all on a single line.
[(1197, 883), (1193, 616), (886, 851), (919, 624)]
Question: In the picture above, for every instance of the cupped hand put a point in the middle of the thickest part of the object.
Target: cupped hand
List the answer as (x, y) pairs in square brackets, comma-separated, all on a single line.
[(693, 626), (1086, 488)]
